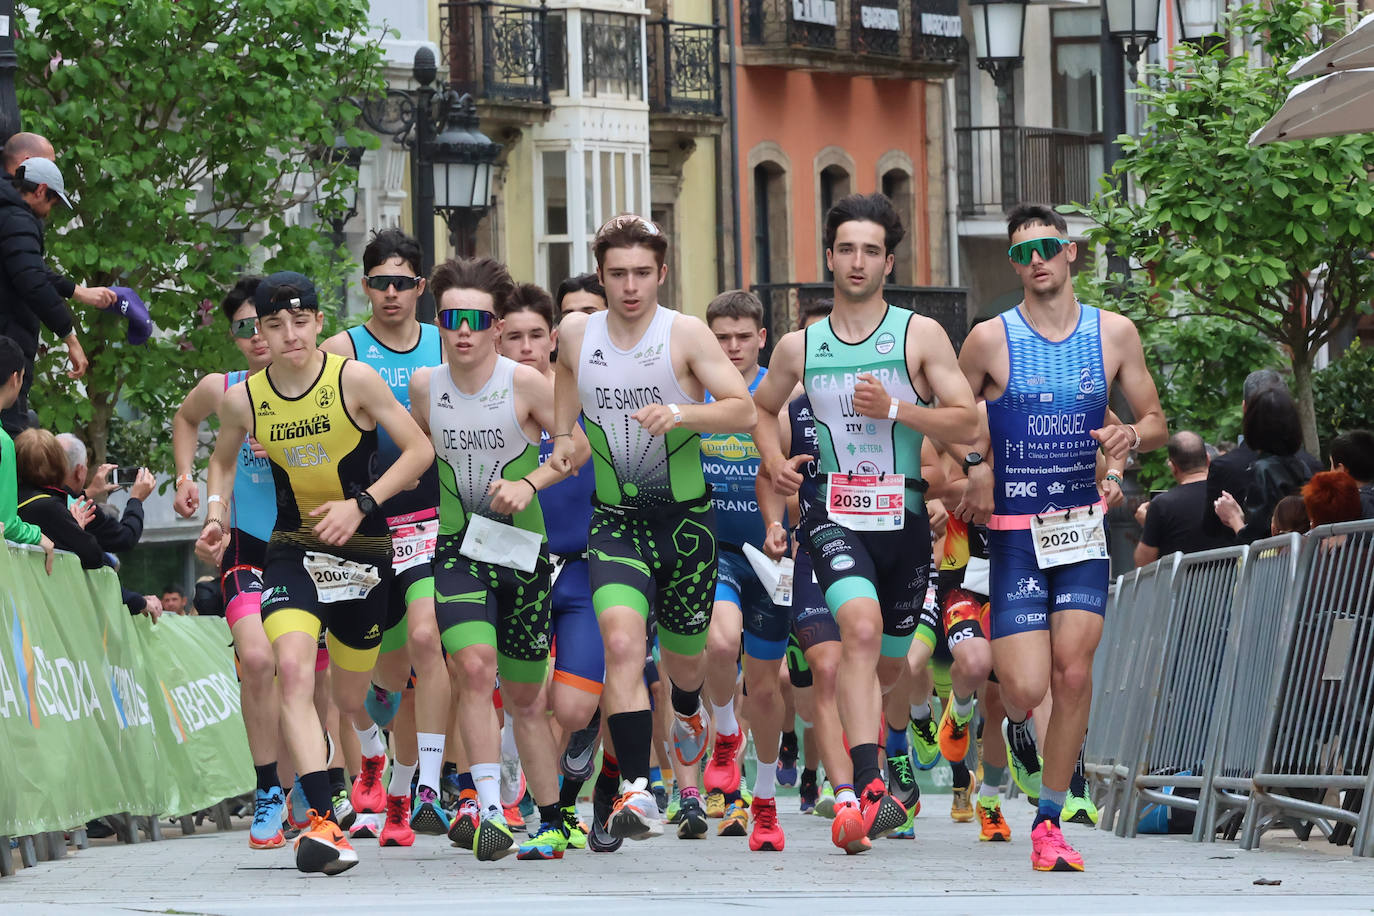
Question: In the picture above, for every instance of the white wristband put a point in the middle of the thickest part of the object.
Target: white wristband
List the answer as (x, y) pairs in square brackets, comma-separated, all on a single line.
[(892, 410), (677, 414), (214, 498)]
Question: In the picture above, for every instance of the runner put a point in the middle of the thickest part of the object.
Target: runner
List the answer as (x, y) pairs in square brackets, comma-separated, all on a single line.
[(396, 345), (1045, 371), (243, 554), (638, 373), (870, 371), (316, 414), (484, 413)]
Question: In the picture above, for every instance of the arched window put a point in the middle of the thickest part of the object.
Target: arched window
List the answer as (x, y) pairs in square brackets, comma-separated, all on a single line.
[(896, 185)]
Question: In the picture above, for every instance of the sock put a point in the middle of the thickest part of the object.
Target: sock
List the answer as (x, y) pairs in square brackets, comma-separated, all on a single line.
[(1078, 783), (960, 773), (808, 777), (316, 788), (487, 779), (465, 783), (726, 724), (401, 774), (338, 781), (920, 713), (864, 757), (690, 792), (787, 747), (609, 765), (897, 743), (371, 741), (963, 707), (568, 791), (992, 781), (632, 733), (549, 815), (1051, 804), (508, 749), (655, 775), (267, 776), (765, 779), (431, 758), (450, 768), (687, 702), (844, 794)]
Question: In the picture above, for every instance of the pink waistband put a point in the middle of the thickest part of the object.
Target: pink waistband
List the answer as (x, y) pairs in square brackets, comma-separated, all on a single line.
[(1023, 522)]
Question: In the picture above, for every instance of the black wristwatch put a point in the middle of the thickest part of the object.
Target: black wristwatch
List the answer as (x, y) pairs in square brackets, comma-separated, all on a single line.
[(366, 503), (971, 459)]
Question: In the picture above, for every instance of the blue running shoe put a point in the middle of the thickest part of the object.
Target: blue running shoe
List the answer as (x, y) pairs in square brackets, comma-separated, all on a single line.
[(299, 813), (382, 704), (428, 816), (265, 832)]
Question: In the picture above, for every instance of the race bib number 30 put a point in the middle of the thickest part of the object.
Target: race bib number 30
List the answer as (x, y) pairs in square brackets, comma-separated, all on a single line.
[(412, 543), (337, 579), (866, 502), (1073, 538)]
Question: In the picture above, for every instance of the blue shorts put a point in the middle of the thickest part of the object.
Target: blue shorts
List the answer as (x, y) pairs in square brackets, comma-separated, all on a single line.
[(812, 620), (1024, 595), (581, 659), (765, 624)]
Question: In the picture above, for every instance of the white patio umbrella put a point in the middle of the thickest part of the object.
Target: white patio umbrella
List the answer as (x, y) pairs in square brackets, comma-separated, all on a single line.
[(1329, 106), (1351, 52)]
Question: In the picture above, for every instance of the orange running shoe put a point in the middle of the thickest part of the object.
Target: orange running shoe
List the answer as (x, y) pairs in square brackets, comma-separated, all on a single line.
[(397, 831), (847, 830), (1051, 852), (882, 813), (368, 792), (324, 848), (994, 828), (767, 832), (953, 733)]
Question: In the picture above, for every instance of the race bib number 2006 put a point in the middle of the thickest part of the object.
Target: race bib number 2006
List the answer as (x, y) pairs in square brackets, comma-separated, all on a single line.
[(337, 579), (866, 502)]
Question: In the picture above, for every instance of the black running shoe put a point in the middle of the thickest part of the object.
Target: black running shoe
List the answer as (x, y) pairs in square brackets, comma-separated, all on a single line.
[(577, 759), (901, 777), (599, 839), (691, 819)]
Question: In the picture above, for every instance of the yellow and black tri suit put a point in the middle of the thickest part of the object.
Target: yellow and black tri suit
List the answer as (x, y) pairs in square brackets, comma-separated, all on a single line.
[(318, 454)]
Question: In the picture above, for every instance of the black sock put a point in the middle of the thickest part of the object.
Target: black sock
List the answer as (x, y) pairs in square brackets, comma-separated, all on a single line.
[(685, 702), (568, 792), (316, 788), (788, 745), (267, 776), (632, 733), (338, 781), (550, 815), (450, 768), (1078, 782), (808, 777), (961, 774), (864, 757)]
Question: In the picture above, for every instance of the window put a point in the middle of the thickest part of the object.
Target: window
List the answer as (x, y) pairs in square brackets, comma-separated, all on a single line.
[(611, 56), (897, 188), (834, 185), (612, 179), (1076, 58)]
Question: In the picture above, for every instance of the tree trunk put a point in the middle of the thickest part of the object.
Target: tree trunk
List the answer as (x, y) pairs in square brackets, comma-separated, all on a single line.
[(1302, 393)]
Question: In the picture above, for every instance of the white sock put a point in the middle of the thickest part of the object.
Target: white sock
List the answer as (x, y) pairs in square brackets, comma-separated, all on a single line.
[(963, 708), (765, 779), (919, 713), (431, 758), (401, 774), (508, 749), (371, 741), (726, 724), (846, 796), (990, 791), (486, 777)]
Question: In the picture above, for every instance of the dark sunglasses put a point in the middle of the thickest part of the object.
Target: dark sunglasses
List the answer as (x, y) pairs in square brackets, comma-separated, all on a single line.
[(245, 328), (477, 319), (381, 281), (1021, 252)]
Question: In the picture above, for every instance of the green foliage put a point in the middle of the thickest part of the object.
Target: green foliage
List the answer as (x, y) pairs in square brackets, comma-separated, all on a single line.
[(1344, 393), (1238, 233), (189, 131)]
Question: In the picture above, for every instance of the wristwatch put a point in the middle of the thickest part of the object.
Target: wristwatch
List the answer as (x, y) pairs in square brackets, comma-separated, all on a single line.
[(971, 459), (366, 503)]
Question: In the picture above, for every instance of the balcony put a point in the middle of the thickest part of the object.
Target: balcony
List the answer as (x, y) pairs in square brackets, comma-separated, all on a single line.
[(501, 54), (684, 70), (946, 305), (891, 38), (1000, 167)]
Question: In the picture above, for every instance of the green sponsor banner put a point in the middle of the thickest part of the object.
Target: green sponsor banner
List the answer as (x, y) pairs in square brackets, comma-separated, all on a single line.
[(101, 712)]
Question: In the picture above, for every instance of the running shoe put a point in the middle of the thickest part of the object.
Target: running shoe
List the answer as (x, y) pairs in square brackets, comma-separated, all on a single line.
[(429, 816), (825, 802), (366, 827), (549, 842), (787, 763), (715, 803), (450, 792), (924, 743), (882, 813), (1080, 809), (907, 830), (578, 758), (577, 831), (847, 831), (691, 737), (635, 813), (993, 828), (961, 808), (368, 793), (463, 829), (1024, 759), (808, 792), (767, 832), (343, 810), (298, 814), (514, 819), (265, 832), (397, 831), (382, 704), (902, 776), (1051, 852), (722, 773), (324, 848), (599, 838), (954, 733), (660, 795), (494, 839), (512, 782), (692, 823), (673, 813), (736, 821)]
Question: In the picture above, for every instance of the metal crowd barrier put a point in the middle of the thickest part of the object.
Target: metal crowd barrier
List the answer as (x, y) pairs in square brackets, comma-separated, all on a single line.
[(1246, 677)]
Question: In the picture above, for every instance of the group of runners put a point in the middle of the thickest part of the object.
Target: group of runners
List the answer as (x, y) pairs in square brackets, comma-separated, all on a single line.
[(494, 545)]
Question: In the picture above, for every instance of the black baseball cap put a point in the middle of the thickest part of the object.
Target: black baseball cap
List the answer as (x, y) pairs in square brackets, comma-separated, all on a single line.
[(285, 289)]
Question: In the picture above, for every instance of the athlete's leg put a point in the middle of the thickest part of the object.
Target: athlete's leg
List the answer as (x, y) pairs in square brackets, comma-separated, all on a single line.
[(827, 727), (857, 694), (1074, 635), (1022, 662), (258, 672), (722, 651), (765, 707), (295, 656), (431, 693)]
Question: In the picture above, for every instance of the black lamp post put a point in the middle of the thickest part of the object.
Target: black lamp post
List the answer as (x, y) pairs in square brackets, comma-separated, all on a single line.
[(1134, 23), (9, 65), (462, 159), (341, 153), (999, 31)]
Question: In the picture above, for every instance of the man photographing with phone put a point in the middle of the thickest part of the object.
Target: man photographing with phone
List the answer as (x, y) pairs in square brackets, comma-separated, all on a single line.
[(114, 535)]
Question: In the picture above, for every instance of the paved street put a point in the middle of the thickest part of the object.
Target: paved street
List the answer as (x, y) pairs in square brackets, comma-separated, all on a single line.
[(944, 870)]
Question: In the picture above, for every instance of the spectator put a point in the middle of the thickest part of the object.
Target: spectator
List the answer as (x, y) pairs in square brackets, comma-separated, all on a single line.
[(1230, 472), (1353, 452), (208, 599), (1331, 497), (43, 501), (173, 600), (1290, 515), (1279, 467), (1173, 520), (11, 525), (114, 535)]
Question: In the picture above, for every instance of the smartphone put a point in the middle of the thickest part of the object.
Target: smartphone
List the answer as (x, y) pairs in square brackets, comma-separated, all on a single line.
[(125, 477)]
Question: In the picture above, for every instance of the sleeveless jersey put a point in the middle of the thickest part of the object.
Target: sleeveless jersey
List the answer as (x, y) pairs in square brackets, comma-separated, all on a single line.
[(804, 443), (570, 506), (255, 500), (963, 541), (318, 454), (1056, 394), (847, 441), (633, 468), (396, 368), (730, 462), (478, 440)]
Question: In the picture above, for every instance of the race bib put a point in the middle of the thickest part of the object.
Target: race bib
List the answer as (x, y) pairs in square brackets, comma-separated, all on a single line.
[(338, 579), (1073, 537), (412, 541), (782, 595), (500, 544), (867, 502)]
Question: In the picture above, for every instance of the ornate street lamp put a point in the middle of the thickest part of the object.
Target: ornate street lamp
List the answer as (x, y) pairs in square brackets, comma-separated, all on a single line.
[(1197, 22), (462, 158), (999, 32), (1134, 23)]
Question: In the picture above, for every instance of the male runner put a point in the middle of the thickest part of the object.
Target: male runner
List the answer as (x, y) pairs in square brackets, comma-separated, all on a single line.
[(1045, 371), (484, 413), (872, 372), (328, 558), (396, 345), (245, 550), (638, 373)]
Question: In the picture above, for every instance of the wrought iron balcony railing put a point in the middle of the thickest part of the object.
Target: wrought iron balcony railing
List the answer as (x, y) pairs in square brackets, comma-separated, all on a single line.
[(684, 67), (498, 51), (1002, 166), (886, 30)]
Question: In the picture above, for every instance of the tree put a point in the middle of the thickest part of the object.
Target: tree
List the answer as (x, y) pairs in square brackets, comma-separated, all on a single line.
[(1248, 235), (146, 101), (1344, 393)]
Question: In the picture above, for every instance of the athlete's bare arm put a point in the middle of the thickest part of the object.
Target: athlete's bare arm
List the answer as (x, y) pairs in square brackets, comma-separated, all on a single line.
[(419, 397), (203, 400), (534, 409), (773, 506), (929, 355), (567, 403), (984, 362), (1121, 339), (771, 396), (731, 411), (340, 344), (235, 422)]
